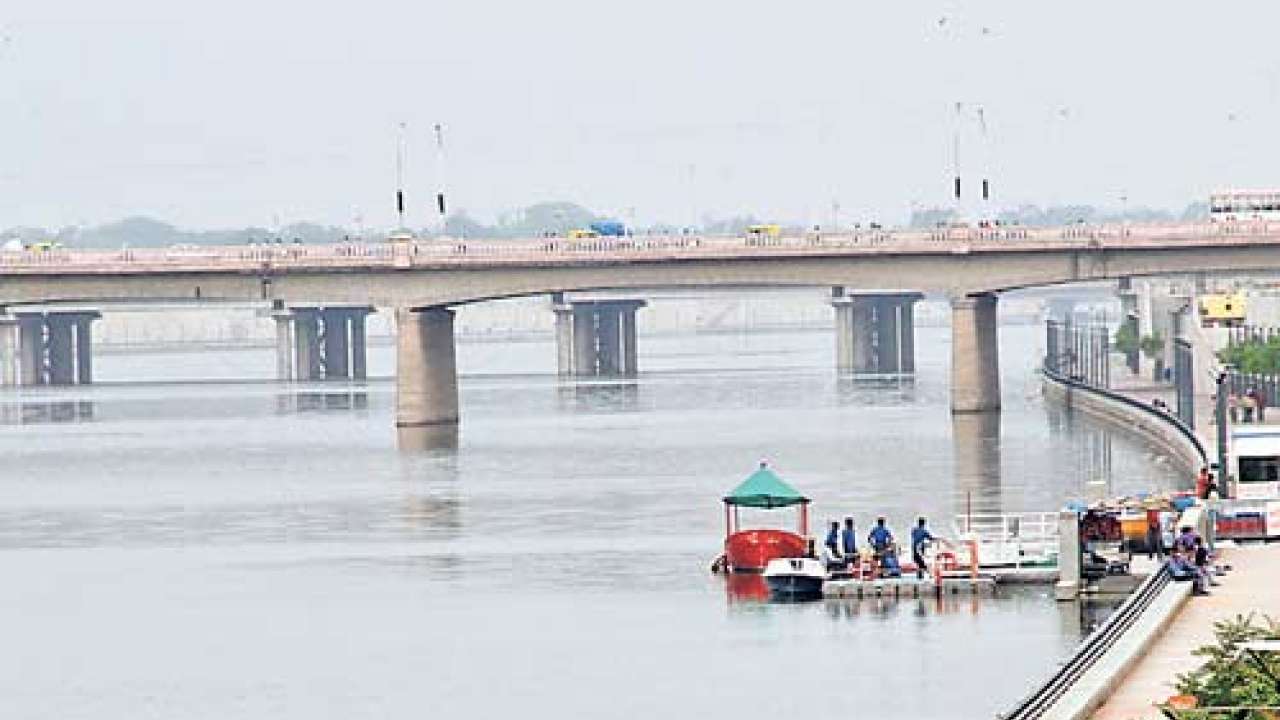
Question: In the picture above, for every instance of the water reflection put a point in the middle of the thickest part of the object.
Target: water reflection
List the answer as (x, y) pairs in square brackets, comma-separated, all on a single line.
[(1084, 616), (746, 588), (322, 401), (875, 389), (592, 396), (34, 413), (1095, 451), (428, 438), (976, 454)]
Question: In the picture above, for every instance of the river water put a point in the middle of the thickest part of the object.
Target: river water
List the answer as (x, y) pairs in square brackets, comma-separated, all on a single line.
[(240, 549)]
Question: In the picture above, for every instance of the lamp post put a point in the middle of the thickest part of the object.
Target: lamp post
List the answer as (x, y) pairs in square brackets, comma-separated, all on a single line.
[(1220, 410)]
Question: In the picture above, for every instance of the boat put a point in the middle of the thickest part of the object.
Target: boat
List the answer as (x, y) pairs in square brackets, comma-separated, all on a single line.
[(796, 578), (751, 549)]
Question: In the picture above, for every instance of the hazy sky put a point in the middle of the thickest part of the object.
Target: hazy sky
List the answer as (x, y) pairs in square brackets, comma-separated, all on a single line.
[(231, 113)]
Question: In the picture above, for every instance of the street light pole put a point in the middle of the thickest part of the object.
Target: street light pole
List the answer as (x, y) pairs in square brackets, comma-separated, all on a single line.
[(1221, 412)]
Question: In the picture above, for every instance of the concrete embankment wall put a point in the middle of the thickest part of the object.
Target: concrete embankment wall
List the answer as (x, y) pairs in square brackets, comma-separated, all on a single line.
[(1178, 443), (1160, 429)]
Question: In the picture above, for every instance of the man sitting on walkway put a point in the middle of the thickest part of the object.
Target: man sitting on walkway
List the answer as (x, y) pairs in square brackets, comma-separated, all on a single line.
[(1182, 568)]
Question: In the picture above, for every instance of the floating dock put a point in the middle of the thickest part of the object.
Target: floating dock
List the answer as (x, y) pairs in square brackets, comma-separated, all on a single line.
[(908, 587)]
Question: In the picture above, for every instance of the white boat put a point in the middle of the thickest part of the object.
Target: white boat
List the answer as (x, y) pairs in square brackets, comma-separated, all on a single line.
[(795, 578)]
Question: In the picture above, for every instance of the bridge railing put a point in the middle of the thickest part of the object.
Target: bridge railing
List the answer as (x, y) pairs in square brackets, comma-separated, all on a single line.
[(450, 251)]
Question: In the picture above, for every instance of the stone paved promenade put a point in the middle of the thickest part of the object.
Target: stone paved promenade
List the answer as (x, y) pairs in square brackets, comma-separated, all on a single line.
[(1253, 586)]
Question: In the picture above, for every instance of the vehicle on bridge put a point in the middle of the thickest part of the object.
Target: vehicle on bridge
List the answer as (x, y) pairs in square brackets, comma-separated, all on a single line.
[(608, 228), (763, 234), (1239, 205), (583, 234), (38, 246)]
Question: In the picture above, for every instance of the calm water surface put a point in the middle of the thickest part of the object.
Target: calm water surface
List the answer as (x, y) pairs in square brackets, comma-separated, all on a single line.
[(246, 550)]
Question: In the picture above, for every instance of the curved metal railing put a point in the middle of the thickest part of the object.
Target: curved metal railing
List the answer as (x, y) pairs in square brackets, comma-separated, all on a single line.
[(1094, 647), (1183, 429)]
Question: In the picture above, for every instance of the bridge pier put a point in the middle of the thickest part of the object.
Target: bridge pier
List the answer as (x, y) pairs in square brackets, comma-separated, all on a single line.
[(61, 350), (596, 338), (875, 332), (426, 367), (975, 354), (47, 347), (8, 350), (1129, 319), (31, 349), (320, 343)]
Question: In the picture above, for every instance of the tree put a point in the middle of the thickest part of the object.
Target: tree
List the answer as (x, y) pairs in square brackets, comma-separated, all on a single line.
[(1152, 346), (1126, 340), (1230, 676), (1254, 356)]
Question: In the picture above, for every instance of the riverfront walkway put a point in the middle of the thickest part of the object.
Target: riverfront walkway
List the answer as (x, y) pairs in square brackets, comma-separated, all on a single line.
[(1253, 586)]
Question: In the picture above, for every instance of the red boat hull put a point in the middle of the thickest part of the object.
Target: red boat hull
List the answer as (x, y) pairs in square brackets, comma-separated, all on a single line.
[(751, 550)]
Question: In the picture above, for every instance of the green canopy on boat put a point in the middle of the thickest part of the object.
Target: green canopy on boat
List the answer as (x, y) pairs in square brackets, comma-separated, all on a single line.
[(764, 489)]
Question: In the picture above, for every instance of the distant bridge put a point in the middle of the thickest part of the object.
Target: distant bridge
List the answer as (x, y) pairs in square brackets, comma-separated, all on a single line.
[(422, 279)]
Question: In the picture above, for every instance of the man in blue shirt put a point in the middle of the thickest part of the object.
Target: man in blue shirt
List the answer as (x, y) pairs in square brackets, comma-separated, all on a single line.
[(920, 536), (832, 542), (879, 537), (849, 541)]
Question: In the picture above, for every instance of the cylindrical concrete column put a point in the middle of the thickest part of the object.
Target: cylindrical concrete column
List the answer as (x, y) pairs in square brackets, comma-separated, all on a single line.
[(31, 349), (975, 354), (426, 367), (62, 368), (336, 346), (630, 350), (84, 348), (609, 339), (359, 353), (8, 350), (306, 344), (284, 344), (585, 353)]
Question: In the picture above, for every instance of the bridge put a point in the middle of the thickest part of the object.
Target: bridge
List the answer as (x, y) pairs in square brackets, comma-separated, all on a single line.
[(321, 293)]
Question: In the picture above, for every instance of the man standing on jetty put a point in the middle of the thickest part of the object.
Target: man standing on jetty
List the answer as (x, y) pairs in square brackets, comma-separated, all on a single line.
[(919, 536), (849, 541)]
